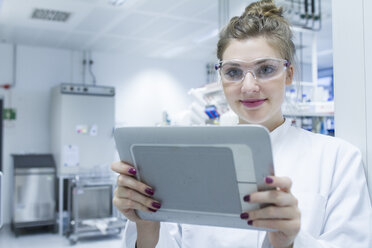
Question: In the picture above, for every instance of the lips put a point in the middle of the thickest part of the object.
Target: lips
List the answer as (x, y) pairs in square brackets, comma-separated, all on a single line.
[(252, 103)]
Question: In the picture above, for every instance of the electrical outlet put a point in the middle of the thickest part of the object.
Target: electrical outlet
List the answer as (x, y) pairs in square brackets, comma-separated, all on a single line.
[(9, 114)]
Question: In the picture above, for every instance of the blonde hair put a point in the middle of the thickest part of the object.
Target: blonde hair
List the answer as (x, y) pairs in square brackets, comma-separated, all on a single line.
[(260, 19)]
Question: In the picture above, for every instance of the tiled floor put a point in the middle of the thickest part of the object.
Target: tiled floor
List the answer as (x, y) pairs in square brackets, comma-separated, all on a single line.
[(50, 240)]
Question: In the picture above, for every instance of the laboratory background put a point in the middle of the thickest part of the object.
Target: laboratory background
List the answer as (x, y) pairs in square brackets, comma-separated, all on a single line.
[(73, 70)]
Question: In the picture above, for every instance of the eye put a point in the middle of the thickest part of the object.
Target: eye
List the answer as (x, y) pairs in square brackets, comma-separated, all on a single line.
[(233, 73), (266, 70)]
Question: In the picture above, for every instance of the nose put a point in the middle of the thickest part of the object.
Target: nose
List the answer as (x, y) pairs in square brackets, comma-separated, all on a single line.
[(249, 83)]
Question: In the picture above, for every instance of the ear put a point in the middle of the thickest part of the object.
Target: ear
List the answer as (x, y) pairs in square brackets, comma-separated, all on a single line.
[(290, 72)]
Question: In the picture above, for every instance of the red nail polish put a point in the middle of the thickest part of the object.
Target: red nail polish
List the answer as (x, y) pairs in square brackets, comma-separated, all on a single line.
[(247, 198), (156, 205), (269, 180), (149, 191), (132, 171), (244, 216), (250, 222), (152, 210)]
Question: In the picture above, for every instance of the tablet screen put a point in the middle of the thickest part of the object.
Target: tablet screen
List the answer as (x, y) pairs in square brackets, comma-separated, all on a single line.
[(195, 164)]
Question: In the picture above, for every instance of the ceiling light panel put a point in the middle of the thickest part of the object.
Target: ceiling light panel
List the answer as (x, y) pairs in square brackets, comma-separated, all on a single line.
[(50, 15)]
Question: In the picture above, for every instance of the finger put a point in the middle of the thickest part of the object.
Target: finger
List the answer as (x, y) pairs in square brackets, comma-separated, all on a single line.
[(126, 193), (125, 204), (123, 168), (130, 214), (284, 183), (132, 183), (276, 197), (289, 227), (273, 212)]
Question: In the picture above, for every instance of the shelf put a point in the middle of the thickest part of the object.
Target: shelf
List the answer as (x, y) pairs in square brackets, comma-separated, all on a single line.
[(309, 109), (308, 114)]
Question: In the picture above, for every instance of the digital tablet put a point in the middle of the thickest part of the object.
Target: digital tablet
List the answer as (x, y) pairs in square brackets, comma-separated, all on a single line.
[(200, 174)]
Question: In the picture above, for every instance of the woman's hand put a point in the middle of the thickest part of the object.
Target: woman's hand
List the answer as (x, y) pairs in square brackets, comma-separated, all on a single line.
[(132, 194), (282, 214)]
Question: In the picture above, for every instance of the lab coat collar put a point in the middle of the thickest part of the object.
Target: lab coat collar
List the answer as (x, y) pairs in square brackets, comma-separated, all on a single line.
[(279, 133)]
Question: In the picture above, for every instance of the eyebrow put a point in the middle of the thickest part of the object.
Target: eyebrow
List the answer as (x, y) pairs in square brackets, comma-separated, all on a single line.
[(260, 61)]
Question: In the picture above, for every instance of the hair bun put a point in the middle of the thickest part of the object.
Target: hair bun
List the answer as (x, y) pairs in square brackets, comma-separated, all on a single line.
[(260, 19), (263, 8)]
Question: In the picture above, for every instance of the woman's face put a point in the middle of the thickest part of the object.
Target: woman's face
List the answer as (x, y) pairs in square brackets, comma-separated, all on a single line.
[(255, 101)]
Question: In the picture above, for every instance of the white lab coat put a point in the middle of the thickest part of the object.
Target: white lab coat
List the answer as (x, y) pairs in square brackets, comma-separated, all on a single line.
[(329, 183)]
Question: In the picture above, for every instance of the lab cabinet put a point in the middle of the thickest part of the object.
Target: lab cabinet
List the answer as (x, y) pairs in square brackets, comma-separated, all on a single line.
[(82, 124)]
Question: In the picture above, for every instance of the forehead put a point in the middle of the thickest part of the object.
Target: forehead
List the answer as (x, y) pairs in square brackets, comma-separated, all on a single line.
[(250, 49)]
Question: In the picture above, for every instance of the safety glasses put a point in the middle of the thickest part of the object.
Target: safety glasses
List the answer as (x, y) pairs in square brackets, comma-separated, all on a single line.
[(263, 69)]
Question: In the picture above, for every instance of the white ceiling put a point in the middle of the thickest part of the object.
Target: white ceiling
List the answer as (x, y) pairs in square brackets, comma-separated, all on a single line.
[(155, 28)]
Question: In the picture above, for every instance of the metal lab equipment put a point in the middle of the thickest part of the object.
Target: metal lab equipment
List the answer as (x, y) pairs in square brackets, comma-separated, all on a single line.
[(91, 210), (34, 192), (82, 124)]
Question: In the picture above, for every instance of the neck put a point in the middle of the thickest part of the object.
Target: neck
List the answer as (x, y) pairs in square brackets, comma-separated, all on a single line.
[(271, 125)]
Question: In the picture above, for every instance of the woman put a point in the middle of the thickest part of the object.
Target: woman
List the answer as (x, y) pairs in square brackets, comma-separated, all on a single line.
[(321, 197)]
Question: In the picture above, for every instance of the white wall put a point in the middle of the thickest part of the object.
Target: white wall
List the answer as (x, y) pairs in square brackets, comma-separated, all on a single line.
[(352, 46), (144, 88)]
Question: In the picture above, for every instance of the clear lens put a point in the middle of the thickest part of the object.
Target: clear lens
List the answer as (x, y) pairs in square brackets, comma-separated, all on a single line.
[(262, 70), (232, 72), (268, 69)]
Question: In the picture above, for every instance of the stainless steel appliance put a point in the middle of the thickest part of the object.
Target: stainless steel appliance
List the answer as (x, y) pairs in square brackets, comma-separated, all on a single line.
[(91, 208), (34, 191)]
